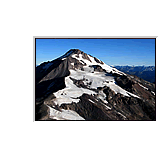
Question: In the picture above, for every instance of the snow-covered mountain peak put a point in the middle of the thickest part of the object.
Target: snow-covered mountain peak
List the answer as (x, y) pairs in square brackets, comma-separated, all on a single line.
[(72, 52), (78, 59), (80, 86)]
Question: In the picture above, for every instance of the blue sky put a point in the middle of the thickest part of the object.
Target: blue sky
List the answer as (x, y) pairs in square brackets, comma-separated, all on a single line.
[(110, 51)]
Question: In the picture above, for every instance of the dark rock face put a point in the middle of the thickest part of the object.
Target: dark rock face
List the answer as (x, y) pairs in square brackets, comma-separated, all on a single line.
[(125, 83), (50, 78), (132, 108), (45, 88), (42, 72), (60, 71), (98, 68), (98, 61)]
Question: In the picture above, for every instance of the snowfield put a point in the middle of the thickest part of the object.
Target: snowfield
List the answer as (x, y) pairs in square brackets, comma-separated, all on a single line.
[(93, 62), (70, 93), (98, 79), (92, 80), (64, 114)]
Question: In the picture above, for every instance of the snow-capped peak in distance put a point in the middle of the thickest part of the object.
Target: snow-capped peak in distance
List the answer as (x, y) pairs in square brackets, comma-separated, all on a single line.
[(80, 86)]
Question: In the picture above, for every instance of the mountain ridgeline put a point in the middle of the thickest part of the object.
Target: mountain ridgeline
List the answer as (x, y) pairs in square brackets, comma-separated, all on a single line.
[(78, 86)]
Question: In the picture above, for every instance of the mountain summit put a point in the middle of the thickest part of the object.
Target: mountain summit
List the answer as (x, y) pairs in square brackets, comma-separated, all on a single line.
[(78, 86)]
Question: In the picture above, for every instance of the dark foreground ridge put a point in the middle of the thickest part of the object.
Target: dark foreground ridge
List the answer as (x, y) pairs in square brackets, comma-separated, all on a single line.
[(78, 86)]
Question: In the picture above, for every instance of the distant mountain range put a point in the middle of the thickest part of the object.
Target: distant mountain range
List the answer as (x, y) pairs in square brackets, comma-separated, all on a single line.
[(78, 86), (145, 72)]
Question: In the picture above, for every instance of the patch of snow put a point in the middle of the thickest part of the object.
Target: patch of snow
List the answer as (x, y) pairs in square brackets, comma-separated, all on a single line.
[(104, 66), (72, 63), (98, 79), (143, 86), (117, 89), (131, 94), (71, 115), (107, 107), (153, 92), (122, 115), (70, 93), (91, 101), (93, 62), (88, 69), (64, 114), (102, 96), (81, 60)]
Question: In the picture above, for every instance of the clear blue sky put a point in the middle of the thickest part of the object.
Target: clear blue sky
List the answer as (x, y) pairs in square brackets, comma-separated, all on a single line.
[(110, 51)]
